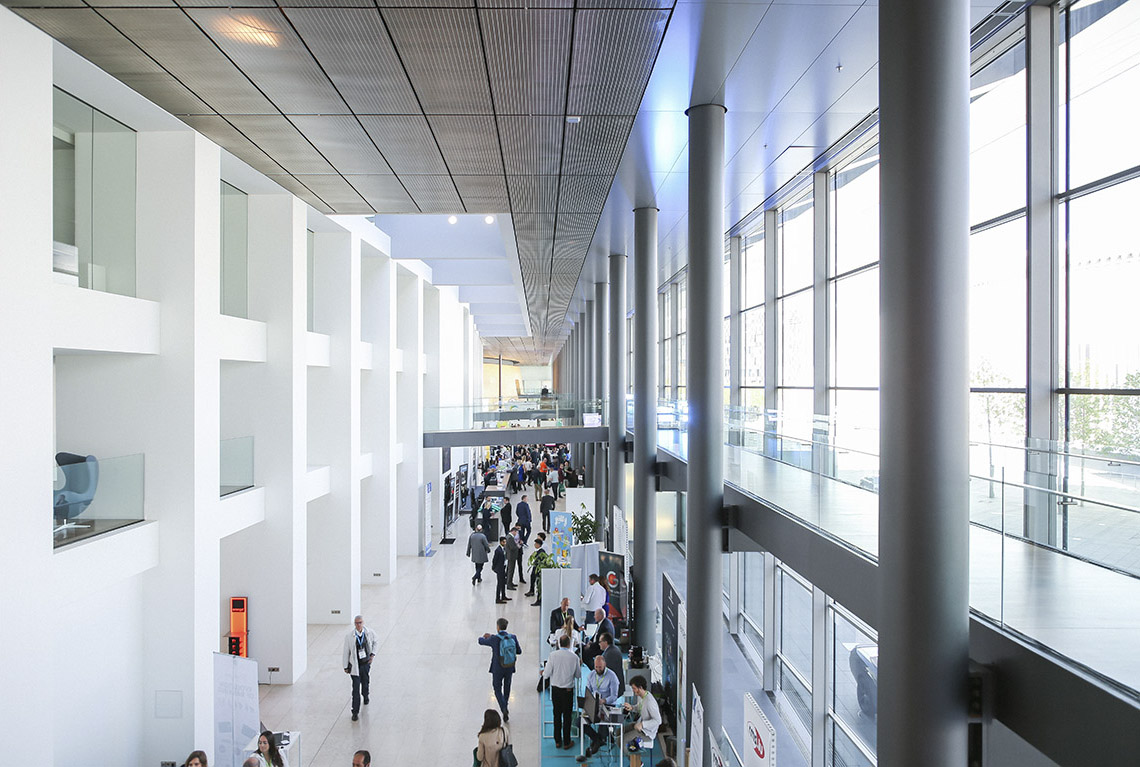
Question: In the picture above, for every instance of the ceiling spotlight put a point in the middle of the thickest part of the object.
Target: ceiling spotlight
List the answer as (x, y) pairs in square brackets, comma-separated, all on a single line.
[(573, 119), (452, 220), (489, 219)]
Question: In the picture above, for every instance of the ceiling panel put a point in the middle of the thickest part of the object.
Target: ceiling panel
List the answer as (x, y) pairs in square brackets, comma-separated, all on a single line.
[(343, 143), (385, 193), (336, 191), (443, 53), (355, 51), (483, 194), (263, 44), (433, 194), (470, 143), (225, 135), (291, 184), (182, 49), (595, 145), (164, 89), (528, 55), (614, 51), (406, 142), (88, 34), (533, 194), (283, 142), (531, 145), (583, 194)]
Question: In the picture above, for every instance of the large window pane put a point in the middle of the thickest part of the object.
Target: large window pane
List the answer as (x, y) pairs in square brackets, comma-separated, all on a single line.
[(93, 197), (854, 678), (796, 340), (997, 306), (1108, 423), (795, 623), (753, 270), (752, 327), (796, 408), (796, 246), (856, 438), (856, 213), (997, 137), (753, 600), (1104, 78), (1104, 273), (856, 330)]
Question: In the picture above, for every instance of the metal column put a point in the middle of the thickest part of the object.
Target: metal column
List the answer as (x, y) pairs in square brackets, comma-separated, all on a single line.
[(601, 345), (645, 428), (706, 409), (589, 360), (619, 359), (924, 79)]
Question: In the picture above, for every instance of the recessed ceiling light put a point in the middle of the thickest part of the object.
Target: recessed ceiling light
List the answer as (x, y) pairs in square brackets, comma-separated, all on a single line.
[(573, 119), (452, 220), (489, 219)]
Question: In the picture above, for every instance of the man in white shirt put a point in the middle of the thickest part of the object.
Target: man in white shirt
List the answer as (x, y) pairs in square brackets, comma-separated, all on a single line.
[(359, 650), (562, 669), (594, 598)]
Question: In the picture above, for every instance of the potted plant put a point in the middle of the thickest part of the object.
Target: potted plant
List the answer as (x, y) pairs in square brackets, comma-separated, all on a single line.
[(584, 526)]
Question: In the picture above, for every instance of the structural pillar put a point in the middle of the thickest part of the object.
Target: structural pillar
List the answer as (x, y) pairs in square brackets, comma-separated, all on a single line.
[(601, 376), (706, 410), (619, 360), (589, 355), (645, 428), (924, 80)]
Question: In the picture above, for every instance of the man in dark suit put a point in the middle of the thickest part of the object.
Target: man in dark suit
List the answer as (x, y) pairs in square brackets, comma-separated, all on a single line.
[(613, 658), (499, 566), (545, 506), (605, 626), (559, 615)]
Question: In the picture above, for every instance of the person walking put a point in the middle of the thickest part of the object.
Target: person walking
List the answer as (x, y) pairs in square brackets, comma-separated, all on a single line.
[(359, 650), (506, 513), (499, 566), (545, 506), (478, 548), (522, 511), (505, 649), (563, 668), (513, 555), (492, 737)]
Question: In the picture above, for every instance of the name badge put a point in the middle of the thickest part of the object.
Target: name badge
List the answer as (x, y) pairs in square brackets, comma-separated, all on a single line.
[(360, 653)]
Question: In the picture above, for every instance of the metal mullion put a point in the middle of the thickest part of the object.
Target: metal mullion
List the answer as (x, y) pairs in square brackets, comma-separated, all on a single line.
[(786, 663), (821, 637), (1100, 184)]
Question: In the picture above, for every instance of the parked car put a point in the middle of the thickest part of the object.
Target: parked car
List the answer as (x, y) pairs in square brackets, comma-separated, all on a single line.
[(864, 660)]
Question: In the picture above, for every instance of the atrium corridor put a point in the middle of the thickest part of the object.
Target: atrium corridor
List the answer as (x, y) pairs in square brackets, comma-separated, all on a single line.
[(429, 683)]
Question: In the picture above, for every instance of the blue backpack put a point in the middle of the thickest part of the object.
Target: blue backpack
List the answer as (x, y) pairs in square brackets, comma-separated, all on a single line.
[(508, 650)]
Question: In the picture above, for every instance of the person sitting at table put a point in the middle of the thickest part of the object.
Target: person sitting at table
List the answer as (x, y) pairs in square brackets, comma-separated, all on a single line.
[(559, 615), (647, 719), (603, 682), (568, 630)]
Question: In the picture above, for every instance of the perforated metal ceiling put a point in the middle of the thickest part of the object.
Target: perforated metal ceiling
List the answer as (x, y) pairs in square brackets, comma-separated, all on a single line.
[(403, 106)]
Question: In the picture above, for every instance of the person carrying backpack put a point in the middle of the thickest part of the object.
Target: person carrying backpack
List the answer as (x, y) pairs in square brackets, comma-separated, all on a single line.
[(505, 649)]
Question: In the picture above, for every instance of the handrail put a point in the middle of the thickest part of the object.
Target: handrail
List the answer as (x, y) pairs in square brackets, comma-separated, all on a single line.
[(1062, 493)]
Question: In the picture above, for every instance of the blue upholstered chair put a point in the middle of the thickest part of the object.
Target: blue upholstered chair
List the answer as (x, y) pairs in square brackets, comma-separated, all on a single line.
[(81, 477)]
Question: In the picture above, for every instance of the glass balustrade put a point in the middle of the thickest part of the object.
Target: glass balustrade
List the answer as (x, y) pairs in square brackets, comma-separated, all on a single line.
[(494, 413), (92, 495), (236, 465)]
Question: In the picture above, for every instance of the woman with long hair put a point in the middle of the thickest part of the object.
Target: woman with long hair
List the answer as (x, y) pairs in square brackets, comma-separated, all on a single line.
[(196, 759), (492, 737), (267, 751)]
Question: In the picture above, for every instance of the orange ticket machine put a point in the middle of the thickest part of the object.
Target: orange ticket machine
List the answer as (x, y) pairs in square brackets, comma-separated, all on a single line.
[(239, 630)]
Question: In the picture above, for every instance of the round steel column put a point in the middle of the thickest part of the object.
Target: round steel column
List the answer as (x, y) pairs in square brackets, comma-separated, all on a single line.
[(924, 75), (645, 427), (619, 360), (706, 409), (601, 376)]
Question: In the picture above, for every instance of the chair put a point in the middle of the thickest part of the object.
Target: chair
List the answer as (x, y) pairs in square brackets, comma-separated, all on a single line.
[(81, 477)]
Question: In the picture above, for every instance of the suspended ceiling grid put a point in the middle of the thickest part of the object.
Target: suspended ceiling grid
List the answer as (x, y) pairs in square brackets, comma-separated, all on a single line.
[(402, 106)]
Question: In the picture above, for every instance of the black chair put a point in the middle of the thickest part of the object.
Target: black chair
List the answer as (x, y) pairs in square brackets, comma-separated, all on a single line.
[(81, 478)]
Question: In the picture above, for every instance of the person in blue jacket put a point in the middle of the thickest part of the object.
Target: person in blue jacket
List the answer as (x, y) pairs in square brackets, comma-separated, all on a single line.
[(502, 663)]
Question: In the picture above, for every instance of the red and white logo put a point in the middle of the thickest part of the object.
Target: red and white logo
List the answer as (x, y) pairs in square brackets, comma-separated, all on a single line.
[(757, 741)]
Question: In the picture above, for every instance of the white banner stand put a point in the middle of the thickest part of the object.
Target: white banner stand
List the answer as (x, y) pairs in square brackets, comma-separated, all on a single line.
[(697, 732), (237, 714), (759, 736)]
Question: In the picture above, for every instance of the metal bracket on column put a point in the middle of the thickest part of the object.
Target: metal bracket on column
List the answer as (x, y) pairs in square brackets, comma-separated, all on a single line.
[(729, 518), (980, 711), (627, 450), (658, 472)]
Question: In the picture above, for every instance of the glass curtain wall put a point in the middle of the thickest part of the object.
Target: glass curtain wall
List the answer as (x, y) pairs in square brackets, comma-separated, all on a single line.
[(794, 656), (93, 197), (795, 312), (680, 346), (752, 327), (854, 333), (1099, 187), (666, 325)]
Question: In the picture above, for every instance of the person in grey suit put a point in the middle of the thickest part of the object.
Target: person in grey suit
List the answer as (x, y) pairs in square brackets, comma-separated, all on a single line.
[(478, 548), (514, 557)]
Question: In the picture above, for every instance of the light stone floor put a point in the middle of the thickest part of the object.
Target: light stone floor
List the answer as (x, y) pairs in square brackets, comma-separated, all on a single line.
[(430, 683)]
